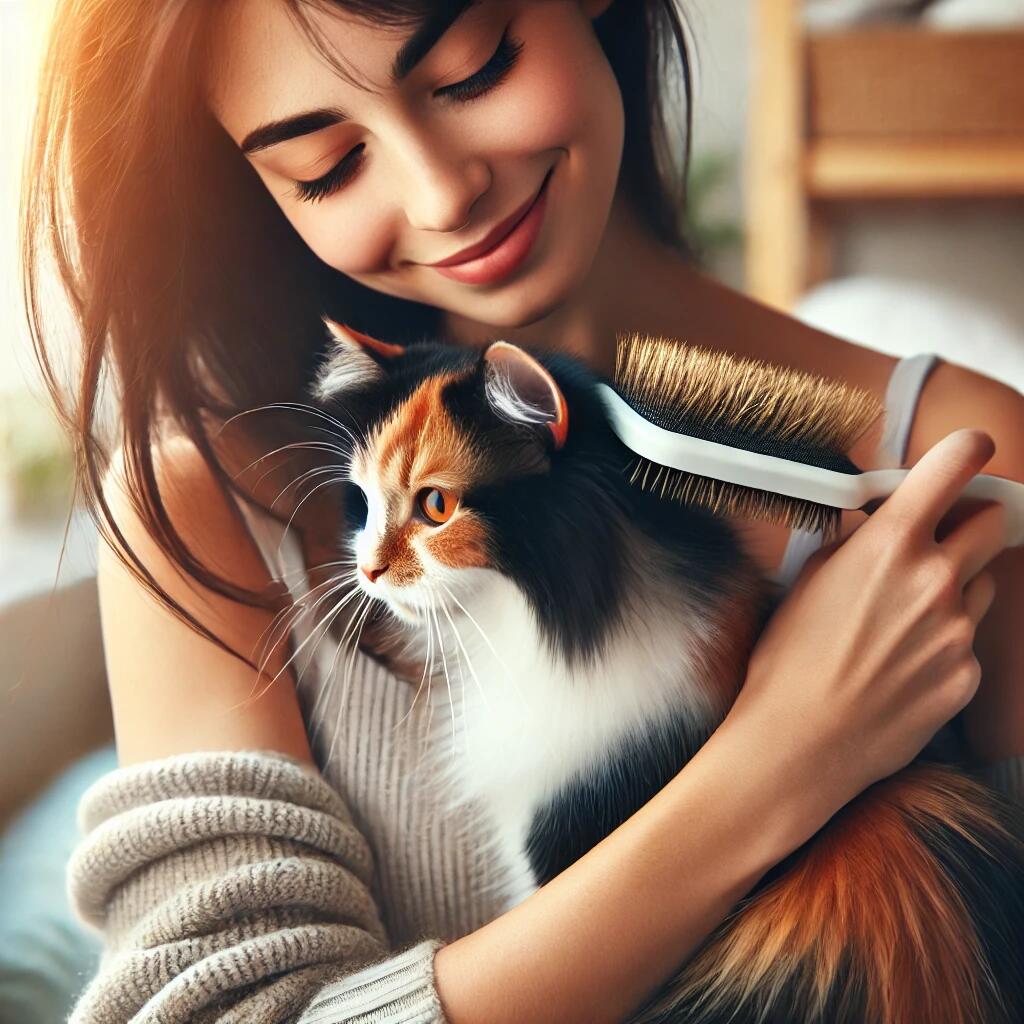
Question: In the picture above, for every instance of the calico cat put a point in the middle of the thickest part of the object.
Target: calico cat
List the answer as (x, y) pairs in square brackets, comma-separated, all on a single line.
[(586, 637)]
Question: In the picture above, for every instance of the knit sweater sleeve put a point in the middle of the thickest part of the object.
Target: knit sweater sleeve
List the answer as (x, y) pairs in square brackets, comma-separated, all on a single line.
[(234, 887)]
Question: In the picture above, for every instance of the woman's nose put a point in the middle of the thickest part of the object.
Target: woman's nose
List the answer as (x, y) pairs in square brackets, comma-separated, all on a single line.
[(443, 189)]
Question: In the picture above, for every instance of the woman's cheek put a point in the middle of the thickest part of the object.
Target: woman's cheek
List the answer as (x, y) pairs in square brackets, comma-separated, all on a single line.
[(348, 233), (567, 91)]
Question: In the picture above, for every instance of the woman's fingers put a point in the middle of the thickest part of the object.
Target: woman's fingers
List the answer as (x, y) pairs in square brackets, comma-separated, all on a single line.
[(935, 481), (974, 542), (979, 595)]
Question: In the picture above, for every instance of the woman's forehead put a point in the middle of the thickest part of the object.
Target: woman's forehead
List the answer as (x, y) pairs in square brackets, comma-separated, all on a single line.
[(264, 65)]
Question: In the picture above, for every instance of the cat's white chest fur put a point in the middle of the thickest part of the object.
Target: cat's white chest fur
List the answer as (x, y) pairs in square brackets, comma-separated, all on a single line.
[(525, 724)]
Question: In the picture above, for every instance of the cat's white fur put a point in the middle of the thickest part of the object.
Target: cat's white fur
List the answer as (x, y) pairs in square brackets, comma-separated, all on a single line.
[(507, 402), (348, 366), (524, 724)]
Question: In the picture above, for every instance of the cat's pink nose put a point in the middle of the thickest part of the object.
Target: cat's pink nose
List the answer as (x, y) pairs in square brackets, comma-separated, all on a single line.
[(372, 574)]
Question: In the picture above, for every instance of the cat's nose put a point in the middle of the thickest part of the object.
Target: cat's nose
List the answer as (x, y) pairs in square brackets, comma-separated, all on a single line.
[(372, 574)]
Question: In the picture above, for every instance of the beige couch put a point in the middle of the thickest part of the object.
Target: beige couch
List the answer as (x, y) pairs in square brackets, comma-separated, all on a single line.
[(53, 695)]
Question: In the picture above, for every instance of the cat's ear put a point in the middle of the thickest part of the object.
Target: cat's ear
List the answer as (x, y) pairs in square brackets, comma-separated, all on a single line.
[(355, 359), (521, 390)]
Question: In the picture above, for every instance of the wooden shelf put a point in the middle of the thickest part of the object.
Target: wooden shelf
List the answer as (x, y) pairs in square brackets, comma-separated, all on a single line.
[(942, 168), (914, 83), (864, 114)]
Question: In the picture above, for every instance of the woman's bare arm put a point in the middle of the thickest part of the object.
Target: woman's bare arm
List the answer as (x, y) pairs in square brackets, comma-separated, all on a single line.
[(172, 690)]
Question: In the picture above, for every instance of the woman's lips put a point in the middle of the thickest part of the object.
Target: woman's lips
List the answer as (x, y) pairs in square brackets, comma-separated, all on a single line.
[(503, 257)]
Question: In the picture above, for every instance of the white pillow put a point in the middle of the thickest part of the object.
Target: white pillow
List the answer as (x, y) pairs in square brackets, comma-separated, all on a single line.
[(903, 317), (977, 14), (824, 14)]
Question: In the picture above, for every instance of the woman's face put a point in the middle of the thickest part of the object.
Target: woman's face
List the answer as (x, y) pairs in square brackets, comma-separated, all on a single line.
[(398, 176)]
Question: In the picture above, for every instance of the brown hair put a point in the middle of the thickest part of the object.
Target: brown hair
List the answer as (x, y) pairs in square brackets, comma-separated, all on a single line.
[(193, 296)]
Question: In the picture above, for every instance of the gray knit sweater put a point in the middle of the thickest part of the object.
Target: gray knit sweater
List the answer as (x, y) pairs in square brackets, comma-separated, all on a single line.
[(245, 887)]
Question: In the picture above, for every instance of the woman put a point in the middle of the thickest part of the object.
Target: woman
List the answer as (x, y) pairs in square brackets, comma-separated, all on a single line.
[(238, 169)]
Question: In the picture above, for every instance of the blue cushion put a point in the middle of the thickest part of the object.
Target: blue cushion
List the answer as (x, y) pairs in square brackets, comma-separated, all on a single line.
[(46, 956)]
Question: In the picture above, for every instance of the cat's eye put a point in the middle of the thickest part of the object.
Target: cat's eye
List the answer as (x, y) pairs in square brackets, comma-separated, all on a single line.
[(480, 82), (437, 504), (355, 505)]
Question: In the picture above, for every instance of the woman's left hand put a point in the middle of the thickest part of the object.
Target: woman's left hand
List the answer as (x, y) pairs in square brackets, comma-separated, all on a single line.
[(956, 397)]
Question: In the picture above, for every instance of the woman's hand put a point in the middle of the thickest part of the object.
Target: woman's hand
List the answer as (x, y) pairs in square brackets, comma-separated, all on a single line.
[(871, 652)]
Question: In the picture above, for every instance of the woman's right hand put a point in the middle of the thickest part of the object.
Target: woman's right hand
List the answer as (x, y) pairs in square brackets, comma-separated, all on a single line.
[(871, 651)]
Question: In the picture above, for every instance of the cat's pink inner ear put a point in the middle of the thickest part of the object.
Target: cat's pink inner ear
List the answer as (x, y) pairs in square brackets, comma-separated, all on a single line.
[(345, 333), (533, 384)]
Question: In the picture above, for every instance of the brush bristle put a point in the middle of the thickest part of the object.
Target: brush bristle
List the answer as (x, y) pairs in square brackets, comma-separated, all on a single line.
[(743, 403)]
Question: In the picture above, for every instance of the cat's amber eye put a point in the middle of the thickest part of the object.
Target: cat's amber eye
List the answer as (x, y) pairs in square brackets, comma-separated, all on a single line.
[(437, 504)]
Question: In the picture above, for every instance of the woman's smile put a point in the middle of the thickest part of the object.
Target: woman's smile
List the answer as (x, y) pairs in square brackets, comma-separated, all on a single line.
[(510, 251)]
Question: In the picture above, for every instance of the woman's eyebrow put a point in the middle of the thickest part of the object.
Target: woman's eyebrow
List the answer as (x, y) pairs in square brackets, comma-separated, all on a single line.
[(411, 52)]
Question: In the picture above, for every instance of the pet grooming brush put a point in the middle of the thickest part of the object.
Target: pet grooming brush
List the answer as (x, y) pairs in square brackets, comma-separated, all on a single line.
[(745, 437)]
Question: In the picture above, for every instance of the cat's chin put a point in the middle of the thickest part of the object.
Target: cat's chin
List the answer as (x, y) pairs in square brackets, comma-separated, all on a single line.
[(402, 611)]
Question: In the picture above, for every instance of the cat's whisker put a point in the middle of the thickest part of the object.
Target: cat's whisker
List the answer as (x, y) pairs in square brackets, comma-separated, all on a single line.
[(346, 456), (319, 631), (296, 609), (312, 445), (323, 697), (501, 663), (300, 647), (255, 693), (460, 650), (302, 477), (301, 571), (444, 662), (358, 621), (288, 524), (469, 660), (297, 606), (360, 617), (430, 703), (426, 666), (293, 406), (425, 727)]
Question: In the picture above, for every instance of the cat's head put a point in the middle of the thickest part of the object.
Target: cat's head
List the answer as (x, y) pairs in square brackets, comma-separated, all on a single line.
[(463, 462)]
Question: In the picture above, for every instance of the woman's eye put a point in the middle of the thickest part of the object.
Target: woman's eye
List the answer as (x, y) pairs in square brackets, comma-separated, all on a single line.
[(436, 504), (488, 77), (483, 81), (335, 178)]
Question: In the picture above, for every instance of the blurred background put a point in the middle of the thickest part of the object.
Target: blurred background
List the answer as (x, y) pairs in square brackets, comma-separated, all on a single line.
[(859, 163)]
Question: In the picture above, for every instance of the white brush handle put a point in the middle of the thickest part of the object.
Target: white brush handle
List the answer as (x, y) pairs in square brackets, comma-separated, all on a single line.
[(781, 476)]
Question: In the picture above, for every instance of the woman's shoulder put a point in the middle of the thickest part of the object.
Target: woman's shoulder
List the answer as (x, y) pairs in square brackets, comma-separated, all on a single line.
[(955, 396)]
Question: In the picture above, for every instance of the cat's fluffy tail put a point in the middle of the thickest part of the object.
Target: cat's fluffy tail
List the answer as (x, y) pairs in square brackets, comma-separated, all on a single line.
[(908, 907)]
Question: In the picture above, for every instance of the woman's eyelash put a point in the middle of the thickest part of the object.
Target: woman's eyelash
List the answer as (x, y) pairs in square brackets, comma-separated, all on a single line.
[(338, 175), (483, 81), (502, 61)]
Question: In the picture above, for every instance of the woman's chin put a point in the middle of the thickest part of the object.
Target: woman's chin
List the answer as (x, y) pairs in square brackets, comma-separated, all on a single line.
[(519, 305)]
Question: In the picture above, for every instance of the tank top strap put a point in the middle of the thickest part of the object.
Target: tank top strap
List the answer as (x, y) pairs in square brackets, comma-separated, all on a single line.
[(901, 397), (905, 384)]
